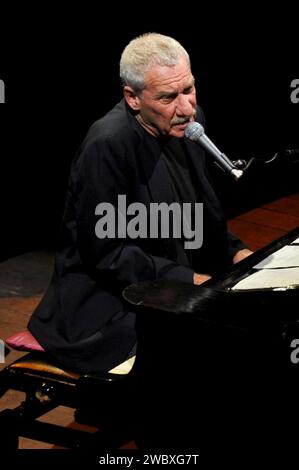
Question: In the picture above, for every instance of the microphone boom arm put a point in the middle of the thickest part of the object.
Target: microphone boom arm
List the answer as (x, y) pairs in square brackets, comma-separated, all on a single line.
[(195, 132)]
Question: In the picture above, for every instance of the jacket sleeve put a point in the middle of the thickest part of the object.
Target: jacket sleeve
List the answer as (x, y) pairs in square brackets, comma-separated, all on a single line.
[(103, 173), (234, 245)]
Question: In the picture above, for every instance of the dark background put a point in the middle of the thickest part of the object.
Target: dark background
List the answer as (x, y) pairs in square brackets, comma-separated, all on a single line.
[(62, 76)]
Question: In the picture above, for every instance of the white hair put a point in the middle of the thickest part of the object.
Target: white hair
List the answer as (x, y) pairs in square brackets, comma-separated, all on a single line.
[(145, 51)]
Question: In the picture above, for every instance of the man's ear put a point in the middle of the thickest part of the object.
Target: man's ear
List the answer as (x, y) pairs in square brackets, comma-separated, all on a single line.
[(131, 98)]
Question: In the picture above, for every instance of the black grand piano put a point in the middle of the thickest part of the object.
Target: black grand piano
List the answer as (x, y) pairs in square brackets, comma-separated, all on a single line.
[(216, 365)]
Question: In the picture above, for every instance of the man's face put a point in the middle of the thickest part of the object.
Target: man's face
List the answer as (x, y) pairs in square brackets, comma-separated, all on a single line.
[(168, 102)]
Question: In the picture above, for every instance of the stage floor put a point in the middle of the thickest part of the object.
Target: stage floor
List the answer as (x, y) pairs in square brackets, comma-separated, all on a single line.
[(24, 279)]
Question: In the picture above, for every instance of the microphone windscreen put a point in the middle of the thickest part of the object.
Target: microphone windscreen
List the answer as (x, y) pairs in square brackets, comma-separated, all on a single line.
[(194, 130)]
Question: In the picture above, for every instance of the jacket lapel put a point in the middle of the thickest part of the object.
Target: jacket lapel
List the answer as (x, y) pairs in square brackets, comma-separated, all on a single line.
[(153, 166)]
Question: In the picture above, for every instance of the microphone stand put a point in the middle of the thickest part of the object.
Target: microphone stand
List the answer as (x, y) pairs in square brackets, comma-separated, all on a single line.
[(242, 165)]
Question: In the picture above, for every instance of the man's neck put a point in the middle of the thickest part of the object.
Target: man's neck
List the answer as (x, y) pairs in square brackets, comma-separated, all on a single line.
[(151, 130)]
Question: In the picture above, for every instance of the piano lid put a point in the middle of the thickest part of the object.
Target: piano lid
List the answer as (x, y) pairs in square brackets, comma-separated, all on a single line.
[(218, 301)]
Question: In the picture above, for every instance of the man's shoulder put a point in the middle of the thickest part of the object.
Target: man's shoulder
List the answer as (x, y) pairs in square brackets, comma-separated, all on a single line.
[(200, 117), (115, 126)]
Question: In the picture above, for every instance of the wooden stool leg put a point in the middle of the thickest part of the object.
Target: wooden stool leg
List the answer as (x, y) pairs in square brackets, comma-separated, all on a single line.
[(9, 432)]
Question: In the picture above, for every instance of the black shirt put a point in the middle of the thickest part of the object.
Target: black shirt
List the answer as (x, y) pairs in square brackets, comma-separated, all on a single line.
[(178, 166), (184, 191)]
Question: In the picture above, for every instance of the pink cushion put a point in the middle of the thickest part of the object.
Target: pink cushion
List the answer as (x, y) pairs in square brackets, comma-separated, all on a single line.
[(24, 341)]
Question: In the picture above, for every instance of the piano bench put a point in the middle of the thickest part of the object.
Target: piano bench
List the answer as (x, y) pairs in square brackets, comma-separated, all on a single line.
[(100, 400)]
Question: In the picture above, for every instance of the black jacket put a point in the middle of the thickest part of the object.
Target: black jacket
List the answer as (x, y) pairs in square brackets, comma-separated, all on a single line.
[(83, 320)]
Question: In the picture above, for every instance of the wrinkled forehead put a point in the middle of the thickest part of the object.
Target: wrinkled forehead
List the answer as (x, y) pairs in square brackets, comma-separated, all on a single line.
[(169, 78)]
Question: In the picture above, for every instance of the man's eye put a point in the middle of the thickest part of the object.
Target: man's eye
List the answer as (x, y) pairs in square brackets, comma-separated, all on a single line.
[(167, 99)]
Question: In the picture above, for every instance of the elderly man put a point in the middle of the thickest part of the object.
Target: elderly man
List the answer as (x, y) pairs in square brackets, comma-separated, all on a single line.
[(137, 151)]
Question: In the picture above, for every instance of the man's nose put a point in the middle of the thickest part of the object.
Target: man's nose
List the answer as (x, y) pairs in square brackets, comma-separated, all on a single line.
[(184, 105)]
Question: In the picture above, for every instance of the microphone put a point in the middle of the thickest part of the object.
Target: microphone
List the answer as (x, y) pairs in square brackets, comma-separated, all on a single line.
[(195, 132)]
